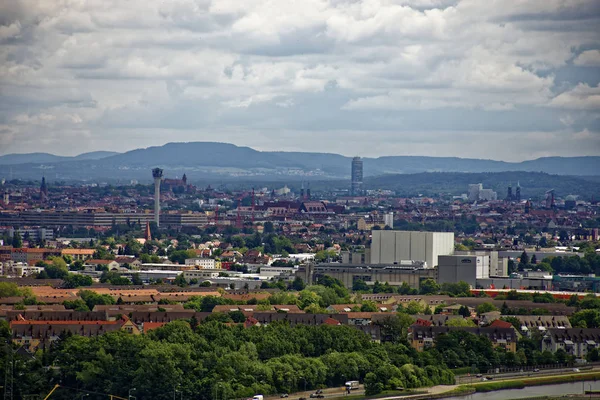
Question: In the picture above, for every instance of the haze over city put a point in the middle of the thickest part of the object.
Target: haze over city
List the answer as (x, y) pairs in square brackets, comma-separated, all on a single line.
[(481, 79)]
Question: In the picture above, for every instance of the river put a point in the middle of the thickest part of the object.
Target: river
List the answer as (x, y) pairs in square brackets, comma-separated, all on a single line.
[(533, 391)]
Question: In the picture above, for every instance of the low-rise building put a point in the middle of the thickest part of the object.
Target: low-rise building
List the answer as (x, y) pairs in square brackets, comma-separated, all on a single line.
[(423, 337), (40, 334), (78, 254), (204, 263), (574, 341)]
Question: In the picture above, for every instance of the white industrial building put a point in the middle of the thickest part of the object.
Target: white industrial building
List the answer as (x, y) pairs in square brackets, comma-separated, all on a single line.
[(467, 268), (271, 271), (393, 247), (204, 263)]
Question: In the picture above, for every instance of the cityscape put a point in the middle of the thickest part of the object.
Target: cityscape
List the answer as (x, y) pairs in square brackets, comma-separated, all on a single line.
[(220, 200)]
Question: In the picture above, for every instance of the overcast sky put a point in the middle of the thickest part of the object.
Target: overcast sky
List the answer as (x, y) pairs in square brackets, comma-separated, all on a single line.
[(506, 79)]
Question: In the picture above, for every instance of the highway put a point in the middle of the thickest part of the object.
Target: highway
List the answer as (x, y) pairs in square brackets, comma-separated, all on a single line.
[(465, 380)]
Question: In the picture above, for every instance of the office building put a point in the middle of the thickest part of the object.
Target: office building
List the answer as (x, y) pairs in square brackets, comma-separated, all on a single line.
[(393, 247), (356, 186), (474, 189), (477, 192), (388, 219)]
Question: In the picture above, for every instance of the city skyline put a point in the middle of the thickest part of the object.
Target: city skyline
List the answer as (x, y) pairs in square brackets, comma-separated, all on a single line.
[(442, 78)]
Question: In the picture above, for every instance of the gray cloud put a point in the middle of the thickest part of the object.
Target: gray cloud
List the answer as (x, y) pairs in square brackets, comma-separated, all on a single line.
[(494, 79)]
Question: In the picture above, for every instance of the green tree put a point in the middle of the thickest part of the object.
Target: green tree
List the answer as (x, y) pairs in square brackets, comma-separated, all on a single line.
[(298, 284), (485, 307), (369, 306), (180, 281), (136, 280), (92, 299), (533, 260), (524, 260), (414, 307), (429, 286), (463, 322), (73, 281), (10, 289), (17, 242), (360, 286), (77, 305)]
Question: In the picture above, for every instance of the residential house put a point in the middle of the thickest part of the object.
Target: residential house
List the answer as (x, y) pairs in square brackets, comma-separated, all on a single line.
[(265, 318), (40, 334), (577, 342), (97, 264), (422, 337), (133, 262), (78, 254)]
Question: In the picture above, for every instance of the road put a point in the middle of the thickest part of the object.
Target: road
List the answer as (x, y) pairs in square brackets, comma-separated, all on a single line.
[(330, 393), (340, 392), (465, 380)]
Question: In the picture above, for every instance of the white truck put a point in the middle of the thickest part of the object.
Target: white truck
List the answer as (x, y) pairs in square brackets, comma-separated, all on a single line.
[(258, 397), (352, 385)]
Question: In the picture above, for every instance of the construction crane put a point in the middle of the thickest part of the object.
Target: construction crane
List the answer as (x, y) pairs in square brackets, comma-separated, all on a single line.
[(111, 396), (52, 391)]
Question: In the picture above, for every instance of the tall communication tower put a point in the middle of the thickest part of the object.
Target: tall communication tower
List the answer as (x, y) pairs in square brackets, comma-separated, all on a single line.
[(157, 174)]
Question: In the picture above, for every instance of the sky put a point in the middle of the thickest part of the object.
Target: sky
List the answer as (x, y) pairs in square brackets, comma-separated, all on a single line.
[(505, 80)]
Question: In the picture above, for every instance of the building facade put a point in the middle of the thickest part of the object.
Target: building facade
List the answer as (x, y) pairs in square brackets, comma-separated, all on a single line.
[(390, 247), (356, 184)]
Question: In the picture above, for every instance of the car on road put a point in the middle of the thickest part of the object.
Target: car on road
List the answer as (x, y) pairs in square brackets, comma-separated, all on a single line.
[(478, 375), (536, 370), (576, 370), (317, 396), (284, 395), (489, 378)]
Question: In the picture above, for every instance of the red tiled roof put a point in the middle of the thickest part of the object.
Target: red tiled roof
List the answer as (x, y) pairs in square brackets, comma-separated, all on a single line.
[(422, 322), (39, 322), (500, 324), (148, 326), (331, 321)]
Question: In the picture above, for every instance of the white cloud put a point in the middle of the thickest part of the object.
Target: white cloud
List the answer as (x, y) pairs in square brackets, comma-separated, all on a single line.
[(581, 97), (589, 58), (98, 68)]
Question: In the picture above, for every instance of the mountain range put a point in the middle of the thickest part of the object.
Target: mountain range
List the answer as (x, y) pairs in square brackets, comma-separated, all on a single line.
[(202, 160), (46, 158)]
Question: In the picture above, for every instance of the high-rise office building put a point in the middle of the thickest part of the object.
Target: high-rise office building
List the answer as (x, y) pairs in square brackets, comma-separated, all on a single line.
[(356, 187)]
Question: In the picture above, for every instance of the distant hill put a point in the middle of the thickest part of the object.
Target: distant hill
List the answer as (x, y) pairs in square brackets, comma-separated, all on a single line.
[(224, 161), (41, 158), (533, 184), (95, 155), (45, 158)]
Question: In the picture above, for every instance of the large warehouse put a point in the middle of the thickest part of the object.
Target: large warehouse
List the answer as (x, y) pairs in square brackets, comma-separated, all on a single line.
[(389, 247)]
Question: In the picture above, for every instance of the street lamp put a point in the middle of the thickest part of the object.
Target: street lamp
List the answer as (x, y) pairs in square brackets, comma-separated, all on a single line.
[(129, 396)]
